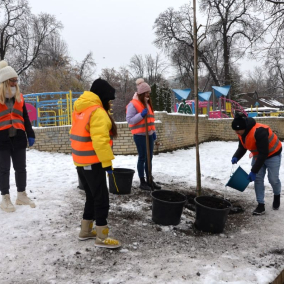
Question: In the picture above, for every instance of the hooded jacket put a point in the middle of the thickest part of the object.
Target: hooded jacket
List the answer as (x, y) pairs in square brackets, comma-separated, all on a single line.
[(99, 126), (261, 136)]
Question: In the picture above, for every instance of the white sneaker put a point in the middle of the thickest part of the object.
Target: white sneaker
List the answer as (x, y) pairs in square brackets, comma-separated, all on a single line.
[(22, 199), (6, 203)]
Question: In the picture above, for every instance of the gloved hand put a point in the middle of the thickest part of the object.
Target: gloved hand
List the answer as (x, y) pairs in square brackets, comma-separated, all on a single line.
[(109, 170), (154, 136), (234, 160), (144, 112), (31, 141), (251, 176)]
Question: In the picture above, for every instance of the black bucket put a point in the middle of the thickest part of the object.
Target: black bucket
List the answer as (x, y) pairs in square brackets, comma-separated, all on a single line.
[(122, 180), (167, 207), (211, 213)]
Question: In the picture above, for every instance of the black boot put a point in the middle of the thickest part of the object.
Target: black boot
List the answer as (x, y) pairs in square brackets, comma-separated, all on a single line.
[(144, 185), (155, 185), (259, 210), (276, 202)]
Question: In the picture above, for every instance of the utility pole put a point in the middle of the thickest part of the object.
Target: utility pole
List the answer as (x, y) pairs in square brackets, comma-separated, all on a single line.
[(198, 173)]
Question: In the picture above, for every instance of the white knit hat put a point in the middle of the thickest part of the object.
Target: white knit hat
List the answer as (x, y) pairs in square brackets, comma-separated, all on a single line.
[(6, 72)]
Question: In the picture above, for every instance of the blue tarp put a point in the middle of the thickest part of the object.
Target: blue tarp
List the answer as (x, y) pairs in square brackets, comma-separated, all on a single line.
[(221, 91), (182, 94), (204, 96)]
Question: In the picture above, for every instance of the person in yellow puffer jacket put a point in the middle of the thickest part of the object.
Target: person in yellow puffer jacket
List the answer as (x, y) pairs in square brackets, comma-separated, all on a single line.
[(91, 142)]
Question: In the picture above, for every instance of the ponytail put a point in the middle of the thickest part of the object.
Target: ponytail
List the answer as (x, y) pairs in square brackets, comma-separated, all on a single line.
[(106, 106)]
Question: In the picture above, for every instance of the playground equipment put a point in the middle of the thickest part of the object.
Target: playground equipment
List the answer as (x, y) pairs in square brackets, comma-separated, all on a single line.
[(31, 112), (52, 109), (183, 107), (264, 111), (218, 107)]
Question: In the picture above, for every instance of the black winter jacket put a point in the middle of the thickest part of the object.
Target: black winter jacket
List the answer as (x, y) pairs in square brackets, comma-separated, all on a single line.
[(19, 141), (261, 137)]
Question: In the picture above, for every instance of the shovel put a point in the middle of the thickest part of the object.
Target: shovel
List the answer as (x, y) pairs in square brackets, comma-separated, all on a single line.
[(148, 155)]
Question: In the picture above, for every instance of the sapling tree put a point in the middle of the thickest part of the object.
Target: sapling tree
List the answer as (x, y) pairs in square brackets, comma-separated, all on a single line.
[(195, 47)]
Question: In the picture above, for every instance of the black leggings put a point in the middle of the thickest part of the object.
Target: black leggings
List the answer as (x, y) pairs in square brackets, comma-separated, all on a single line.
[(97, 198), (19, 163)]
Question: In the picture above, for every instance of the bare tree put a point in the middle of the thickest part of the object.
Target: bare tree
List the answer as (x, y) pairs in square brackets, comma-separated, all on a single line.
[(54, 53), (110, 75), (255, 81), (150, 68), (124, 84), (174, 32), (155, 68), (14, 18), (274, 18), (51, 79), (86, 70), (275, 65), (22, 34), (182, 60), (137, 65), (236, 27)]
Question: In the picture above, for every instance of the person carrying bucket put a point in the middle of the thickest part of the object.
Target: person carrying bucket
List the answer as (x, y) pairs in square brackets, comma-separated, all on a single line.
[(91, 142), (136, 111), (266, 151)]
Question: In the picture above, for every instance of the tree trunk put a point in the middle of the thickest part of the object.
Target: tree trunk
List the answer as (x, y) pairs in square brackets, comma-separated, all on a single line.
[(198, 174), (226, 61)]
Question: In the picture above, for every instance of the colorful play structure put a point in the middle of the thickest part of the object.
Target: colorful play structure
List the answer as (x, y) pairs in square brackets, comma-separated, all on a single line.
[(50, 109), (215, 104), (55, 108)]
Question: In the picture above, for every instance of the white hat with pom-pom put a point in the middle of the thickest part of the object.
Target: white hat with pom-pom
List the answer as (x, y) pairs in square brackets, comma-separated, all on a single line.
[(6, 72), (142, 87)]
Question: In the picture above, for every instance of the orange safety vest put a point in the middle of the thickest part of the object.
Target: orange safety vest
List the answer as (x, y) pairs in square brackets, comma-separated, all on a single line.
[(140, 126), (81, 142), (13, 118), (250, 142)]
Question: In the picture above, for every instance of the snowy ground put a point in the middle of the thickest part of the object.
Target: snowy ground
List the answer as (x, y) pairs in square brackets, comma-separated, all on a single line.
[(40, 245)]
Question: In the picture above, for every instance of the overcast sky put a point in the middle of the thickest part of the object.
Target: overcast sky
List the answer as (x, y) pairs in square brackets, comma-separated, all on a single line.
[(114, 30)]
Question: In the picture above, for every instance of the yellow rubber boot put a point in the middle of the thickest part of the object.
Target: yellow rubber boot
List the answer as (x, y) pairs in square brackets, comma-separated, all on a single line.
[(103, 240), (87, 232)]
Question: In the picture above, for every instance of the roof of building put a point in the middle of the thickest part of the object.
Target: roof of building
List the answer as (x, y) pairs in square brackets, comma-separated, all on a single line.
[(248, 100)]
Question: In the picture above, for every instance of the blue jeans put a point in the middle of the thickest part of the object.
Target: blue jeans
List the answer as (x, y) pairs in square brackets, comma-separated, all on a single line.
[(142, 164), (272, 165)]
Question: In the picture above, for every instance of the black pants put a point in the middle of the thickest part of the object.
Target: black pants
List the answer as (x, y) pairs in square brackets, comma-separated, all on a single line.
[(19, 163), (97, 198)]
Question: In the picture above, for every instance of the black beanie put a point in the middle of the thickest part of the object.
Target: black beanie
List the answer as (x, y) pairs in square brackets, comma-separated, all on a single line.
[(239, 123), (103, 89)]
